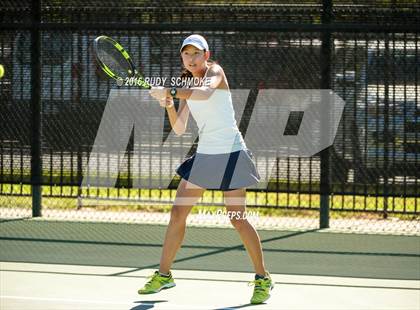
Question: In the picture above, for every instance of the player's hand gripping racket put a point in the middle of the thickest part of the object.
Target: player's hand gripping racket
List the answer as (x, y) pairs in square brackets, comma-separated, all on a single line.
[(116, 62)]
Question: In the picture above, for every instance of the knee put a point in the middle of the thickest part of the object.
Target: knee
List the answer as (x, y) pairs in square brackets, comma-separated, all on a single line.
[(178, 215)]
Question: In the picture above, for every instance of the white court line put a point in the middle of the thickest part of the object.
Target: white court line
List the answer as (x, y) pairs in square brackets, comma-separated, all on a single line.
[(64, 300), (101, 302)]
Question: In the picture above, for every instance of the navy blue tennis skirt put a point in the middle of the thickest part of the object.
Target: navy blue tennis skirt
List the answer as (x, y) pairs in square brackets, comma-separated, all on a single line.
[(220, 171)]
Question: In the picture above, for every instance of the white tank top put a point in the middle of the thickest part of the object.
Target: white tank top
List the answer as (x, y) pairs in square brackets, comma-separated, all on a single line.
[(215, 118)]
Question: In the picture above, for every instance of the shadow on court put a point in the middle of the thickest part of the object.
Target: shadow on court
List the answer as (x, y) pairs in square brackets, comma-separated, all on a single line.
[(146, 304), (138, 246), (218, 250)]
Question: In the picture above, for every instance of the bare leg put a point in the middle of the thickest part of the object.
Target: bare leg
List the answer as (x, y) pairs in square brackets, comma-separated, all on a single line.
[(187, 196), (235, 202)]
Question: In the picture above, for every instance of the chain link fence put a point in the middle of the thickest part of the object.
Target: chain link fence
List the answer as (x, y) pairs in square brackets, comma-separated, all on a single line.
[(366, 52)]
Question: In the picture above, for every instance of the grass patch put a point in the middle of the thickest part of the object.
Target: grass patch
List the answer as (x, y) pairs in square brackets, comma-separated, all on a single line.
[(157, 200)]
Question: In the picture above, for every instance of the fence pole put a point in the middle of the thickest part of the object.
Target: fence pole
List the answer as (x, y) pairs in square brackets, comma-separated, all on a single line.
[(387, 132), (36, 130), (325, 61)]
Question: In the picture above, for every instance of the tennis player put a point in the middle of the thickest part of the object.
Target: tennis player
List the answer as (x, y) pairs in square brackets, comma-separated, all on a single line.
[(222, 162)]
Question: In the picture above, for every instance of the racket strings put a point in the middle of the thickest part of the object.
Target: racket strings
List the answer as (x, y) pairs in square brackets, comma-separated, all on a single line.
[(114, 60)]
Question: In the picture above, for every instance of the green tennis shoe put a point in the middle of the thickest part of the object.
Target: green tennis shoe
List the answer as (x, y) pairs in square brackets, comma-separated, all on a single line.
[(262, 288), (157, 283)]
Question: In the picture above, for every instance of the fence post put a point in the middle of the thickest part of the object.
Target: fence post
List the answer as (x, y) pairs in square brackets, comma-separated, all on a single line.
[(36, 130), (325, 61), (387, 139)]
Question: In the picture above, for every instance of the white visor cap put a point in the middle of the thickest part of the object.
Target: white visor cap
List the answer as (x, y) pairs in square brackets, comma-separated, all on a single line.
[(197, 41)]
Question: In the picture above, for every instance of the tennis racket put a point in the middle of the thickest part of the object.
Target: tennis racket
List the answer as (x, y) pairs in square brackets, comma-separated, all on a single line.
[(116, 62)]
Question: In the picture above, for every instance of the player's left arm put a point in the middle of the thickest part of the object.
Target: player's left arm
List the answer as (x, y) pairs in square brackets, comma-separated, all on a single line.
[(214, 78)]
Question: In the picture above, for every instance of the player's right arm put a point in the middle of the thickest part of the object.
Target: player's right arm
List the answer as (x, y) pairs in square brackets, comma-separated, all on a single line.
[(178, 119)]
